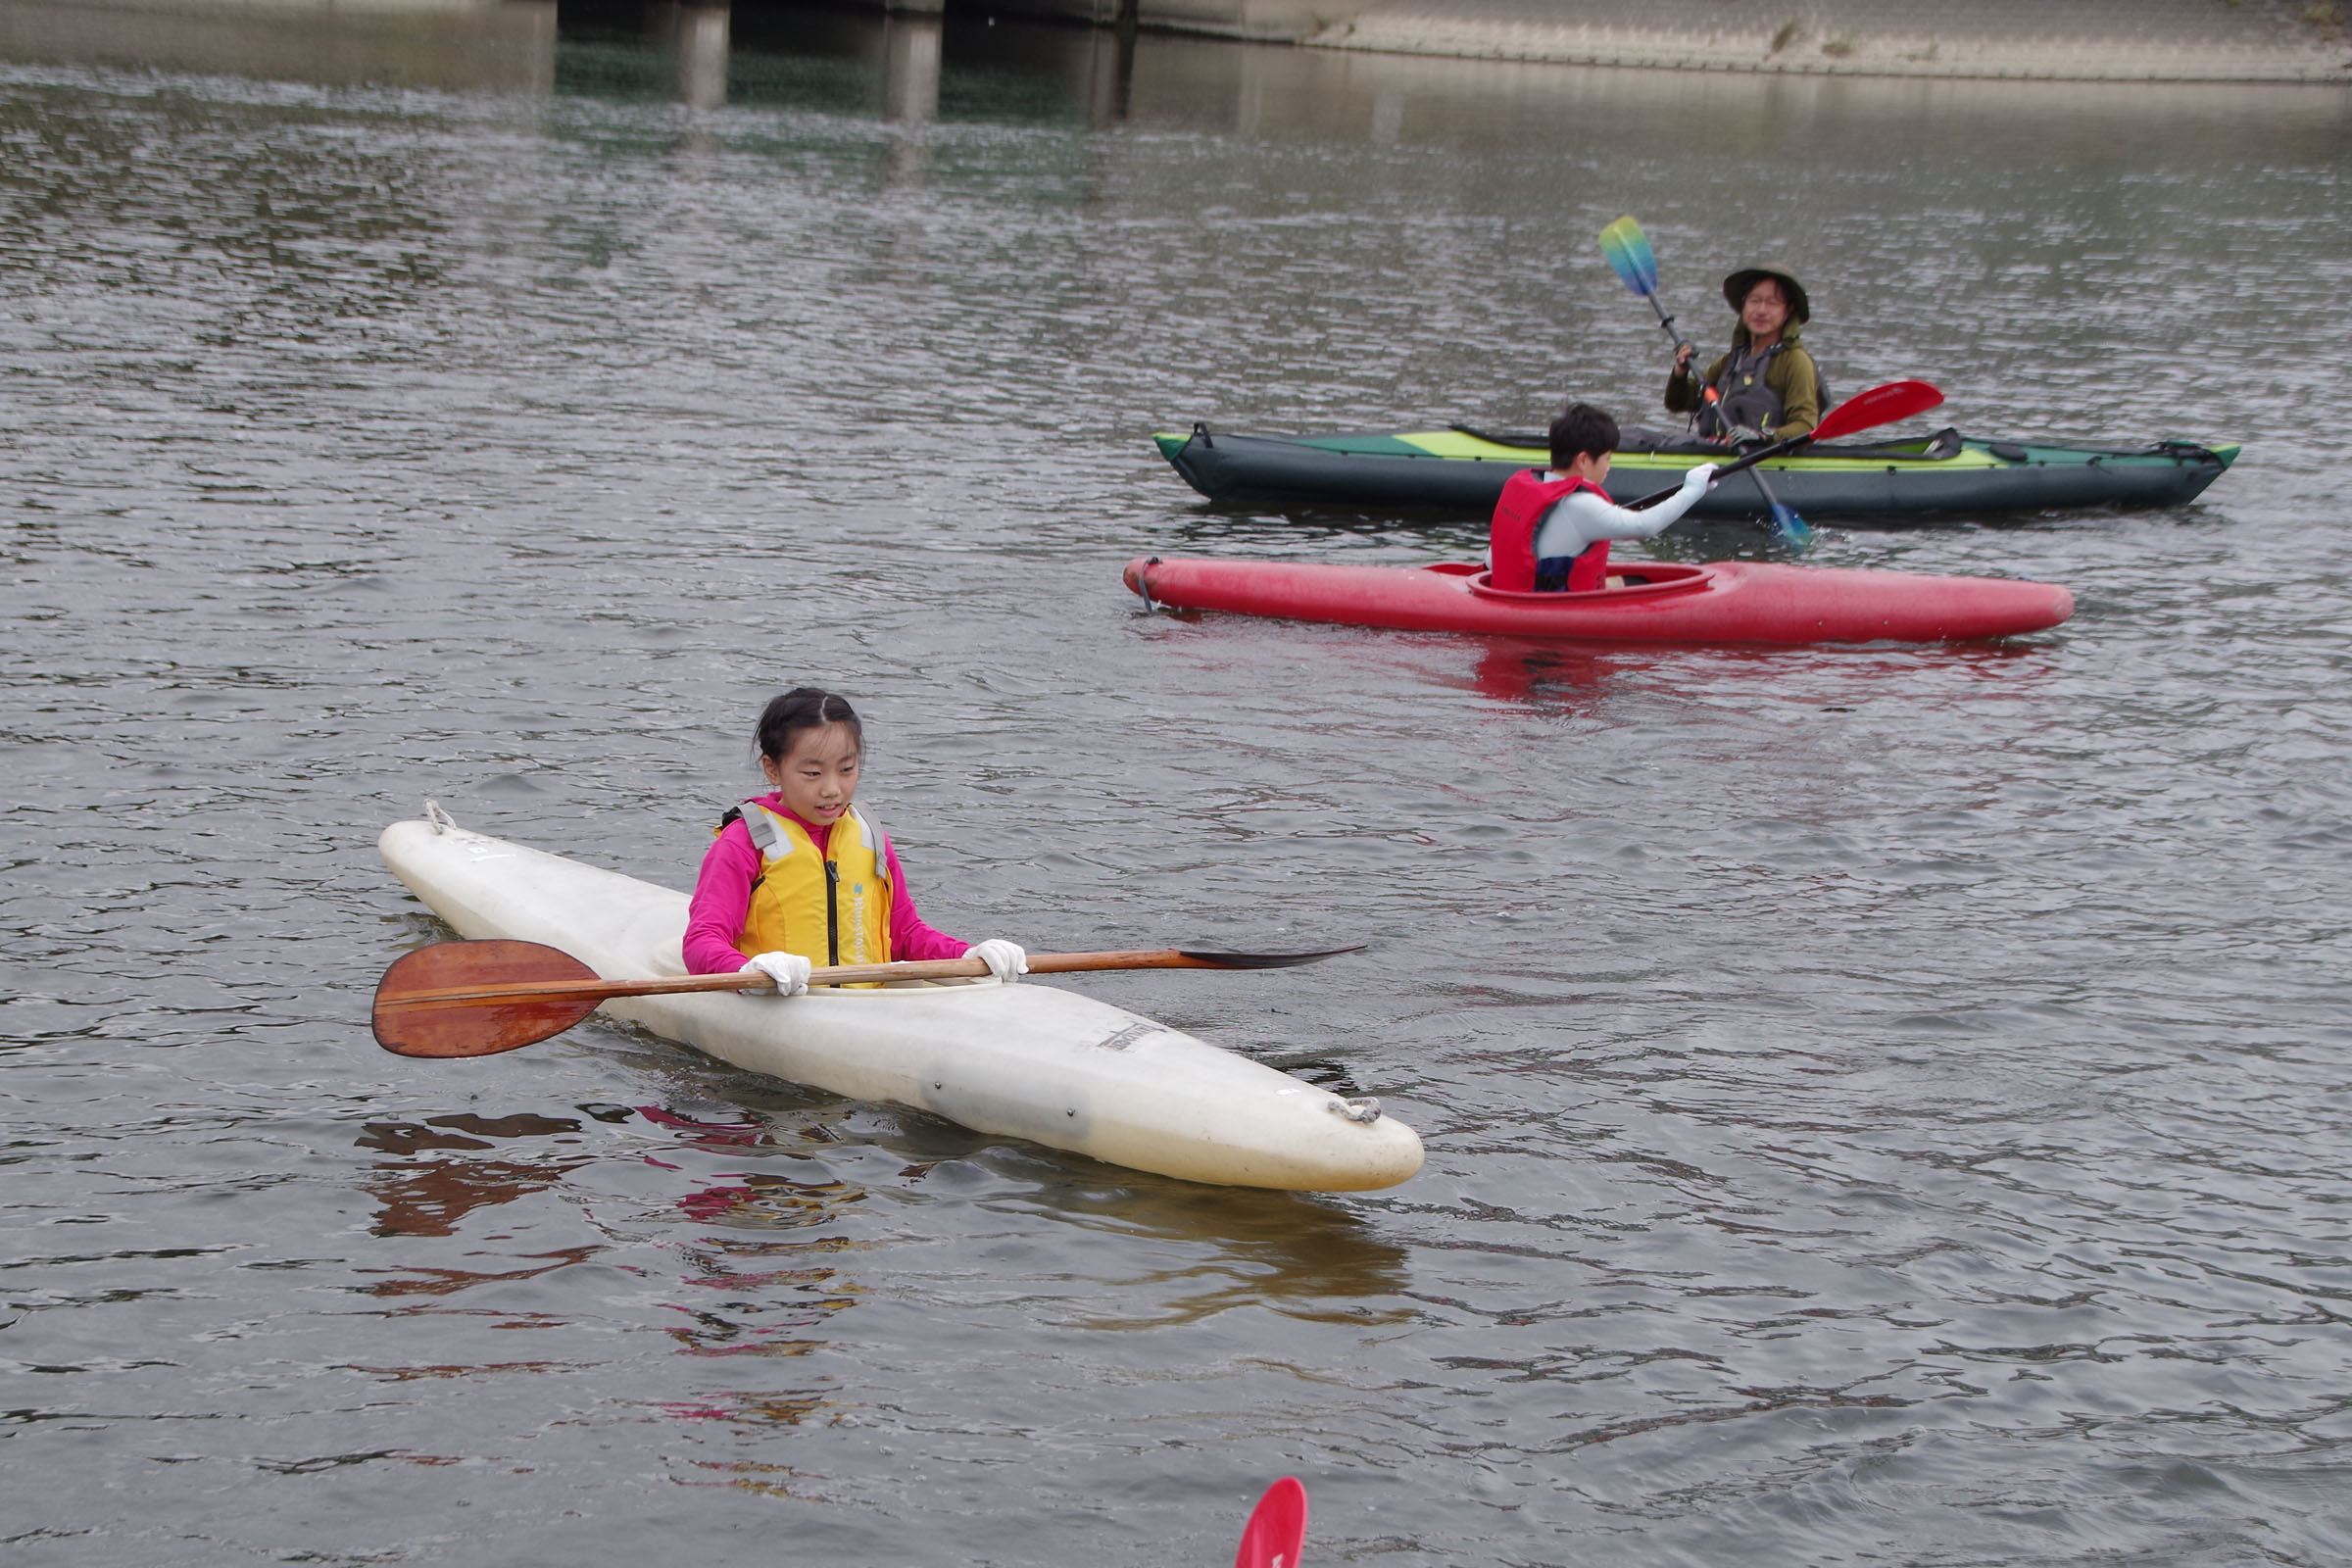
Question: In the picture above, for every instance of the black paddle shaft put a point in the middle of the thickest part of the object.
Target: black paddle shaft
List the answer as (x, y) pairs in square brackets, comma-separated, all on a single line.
[(1733, 466), (1666, 323)]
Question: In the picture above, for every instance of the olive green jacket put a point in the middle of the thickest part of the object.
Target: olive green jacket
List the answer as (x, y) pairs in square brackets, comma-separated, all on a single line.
[(1790, 374)]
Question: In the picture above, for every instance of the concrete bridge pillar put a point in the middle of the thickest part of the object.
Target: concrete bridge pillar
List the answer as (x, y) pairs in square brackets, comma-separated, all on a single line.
[(695, 32), (911, 56)]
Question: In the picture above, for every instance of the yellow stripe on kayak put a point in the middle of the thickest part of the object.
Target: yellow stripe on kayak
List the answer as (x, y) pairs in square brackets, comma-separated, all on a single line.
[(1678, 463), (1457, 444)]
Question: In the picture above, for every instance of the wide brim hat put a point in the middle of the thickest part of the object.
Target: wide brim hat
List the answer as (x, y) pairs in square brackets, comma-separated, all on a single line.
[(1735, 287)]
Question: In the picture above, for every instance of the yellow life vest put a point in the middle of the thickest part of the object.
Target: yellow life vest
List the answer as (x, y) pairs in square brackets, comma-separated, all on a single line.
[(828, 911)]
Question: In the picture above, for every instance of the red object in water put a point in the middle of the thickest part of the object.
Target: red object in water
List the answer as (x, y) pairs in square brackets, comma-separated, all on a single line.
[(1277, 1527), (1726, 602)]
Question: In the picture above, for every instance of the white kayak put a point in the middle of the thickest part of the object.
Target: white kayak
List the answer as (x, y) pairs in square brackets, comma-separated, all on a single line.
[(1020, 1061)]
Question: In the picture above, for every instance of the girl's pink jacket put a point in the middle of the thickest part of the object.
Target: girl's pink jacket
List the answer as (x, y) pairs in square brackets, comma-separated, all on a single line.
[(722, 894)]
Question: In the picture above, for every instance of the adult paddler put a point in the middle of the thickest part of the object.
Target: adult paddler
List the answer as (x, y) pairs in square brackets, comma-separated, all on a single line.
[(1767, 385)]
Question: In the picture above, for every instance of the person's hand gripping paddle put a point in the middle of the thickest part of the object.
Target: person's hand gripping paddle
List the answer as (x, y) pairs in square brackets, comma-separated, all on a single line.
[(1883, 404), (1627, 252)]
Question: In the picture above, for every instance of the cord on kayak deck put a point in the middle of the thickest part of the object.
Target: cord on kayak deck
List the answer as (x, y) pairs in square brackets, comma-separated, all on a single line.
[(441, 821)]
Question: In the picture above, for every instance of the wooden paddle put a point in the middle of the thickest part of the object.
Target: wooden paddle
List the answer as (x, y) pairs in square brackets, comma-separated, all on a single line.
[(478, 998), (1864, 410)]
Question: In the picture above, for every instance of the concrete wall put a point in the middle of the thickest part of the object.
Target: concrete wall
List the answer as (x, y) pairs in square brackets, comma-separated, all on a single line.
[(507, 45), (1265, 20), (2142, 40), (510, 43), (2081, 41)]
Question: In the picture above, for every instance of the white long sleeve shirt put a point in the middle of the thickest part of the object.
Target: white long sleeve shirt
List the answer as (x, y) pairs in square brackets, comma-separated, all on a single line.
[(1576, 522)]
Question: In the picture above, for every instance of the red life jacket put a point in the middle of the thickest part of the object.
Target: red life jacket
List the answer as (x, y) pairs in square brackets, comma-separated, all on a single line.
[(1511, 539)]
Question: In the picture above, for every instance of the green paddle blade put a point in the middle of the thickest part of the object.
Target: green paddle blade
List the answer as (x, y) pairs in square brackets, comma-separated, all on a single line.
[(1629, 255)]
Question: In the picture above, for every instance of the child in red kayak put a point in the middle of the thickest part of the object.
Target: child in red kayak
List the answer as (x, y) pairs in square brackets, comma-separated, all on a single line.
[(800, 876), (1551, 530)]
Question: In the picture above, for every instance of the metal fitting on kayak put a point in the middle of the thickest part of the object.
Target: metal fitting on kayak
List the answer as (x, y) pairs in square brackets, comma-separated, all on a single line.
[(1363, 1107)]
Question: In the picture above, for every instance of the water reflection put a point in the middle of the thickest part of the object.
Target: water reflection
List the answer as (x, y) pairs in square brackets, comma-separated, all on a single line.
[(1234, 1247), (762, 1201), (788, 1409), (703, 1132), (1568, 679), (430, 1198), (1575, 679), (450, 1281)]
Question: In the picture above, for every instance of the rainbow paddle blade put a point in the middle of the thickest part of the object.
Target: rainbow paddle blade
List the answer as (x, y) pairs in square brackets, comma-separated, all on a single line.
[(1630, 256), (1789, 530)]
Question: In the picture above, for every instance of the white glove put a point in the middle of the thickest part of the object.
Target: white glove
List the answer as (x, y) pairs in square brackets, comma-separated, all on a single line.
[(1700, 478), (1004, 959), (789, 970)]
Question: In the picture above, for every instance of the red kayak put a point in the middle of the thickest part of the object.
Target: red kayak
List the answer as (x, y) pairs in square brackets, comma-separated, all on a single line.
[(1726, 602)]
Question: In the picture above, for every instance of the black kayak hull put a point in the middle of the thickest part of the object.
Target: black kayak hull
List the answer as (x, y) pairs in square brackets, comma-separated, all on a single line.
[(1464, 471)]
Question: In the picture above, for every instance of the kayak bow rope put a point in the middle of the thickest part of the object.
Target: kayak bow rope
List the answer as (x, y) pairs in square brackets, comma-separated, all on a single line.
[(478, 998), (1629, 255)]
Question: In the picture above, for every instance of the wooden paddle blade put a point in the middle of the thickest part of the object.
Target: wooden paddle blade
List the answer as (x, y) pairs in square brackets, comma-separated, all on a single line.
[(413, 1026), (1267, 960), (1277, 1529), (1881, 405), (478, 998)]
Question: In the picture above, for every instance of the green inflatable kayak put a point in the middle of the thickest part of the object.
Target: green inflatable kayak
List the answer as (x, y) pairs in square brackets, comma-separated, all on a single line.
[(1463, 469)]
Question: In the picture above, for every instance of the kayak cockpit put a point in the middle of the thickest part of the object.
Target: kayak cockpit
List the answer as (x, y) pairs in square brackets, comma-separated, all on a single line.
[(1643, 579)]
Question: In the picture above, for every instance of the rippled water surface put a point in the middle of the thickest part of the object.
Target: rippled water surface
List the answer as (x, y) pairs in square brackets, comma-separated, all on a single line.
[(1884, 1106)]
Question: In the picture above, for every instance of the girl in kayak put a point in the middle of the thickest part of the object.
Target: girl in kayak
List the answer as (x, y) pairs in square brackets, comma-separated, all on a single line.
[(1768, 384), (1551, 529), (800, 876)]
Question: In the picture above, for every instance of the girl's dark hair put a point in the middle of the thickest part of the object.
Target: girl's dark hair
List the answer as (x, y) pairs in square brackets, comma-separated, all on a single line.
[(1581, 427), (803, 708)]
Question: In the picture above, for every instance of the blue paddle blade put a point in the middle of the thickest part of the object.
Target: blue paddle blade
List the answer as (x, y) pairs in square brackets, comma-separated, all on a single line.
[(1629, 255), (1790, 529)]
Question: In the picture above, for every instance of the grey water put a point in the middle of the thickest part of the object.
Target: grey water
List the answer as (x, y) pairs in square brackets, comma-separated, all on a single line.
[(1884, 1106)]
